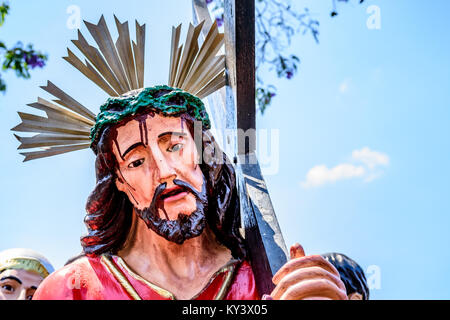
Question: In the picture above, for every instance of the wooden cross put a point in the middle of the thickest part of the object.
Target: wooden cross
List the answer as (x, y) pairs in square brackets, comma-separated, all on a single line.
[(234, 108)]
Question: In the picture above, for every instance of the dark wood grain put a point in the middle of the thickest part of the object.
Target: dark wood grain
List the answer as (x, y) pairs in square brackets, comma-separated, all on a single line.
[(262, 233), (240, 51), (267, 251)]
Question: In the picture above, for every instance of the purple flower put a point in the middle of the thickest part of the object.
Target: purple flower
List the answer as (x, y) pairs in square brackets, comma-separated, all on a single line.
[(209, 1), (272, 94), (219, 21), (33, 60), (289, 74)]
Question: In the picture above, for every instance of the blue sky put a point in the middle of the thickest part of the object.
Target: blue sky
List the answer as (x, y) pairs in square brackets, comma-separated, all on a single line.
[(364, 128)]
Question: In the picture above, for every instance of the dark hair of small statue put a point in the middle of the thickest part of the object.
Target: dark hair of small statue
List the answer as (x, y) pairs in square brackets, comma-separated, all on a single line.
[(109, 211), (352, 275)]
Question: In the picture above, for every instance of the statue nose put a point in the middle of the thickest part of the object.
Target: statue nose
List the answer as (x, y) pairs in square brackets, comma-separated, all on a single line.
[(167, 179), (22, 295), (166, 171)]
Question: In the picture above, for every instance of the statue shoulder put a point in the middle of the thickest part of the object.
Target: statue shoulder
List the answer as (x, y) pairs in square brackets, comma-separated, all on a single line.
[(69, 282)]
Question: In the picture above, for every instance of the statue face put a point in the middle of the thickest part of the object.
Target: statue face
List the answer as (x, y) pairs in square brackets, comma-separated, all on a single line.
[(154, 153), (18, 284)]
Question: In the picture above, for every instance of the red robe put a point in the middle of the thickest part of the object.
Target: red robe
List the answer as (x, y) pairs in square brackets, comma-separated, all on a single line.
[(109, 278)]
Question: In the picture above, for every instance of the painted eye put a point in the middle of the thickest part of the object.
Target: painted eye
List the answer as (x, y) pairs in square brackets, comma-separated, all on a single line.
[(136, 163), (176, 147), (8, 288)]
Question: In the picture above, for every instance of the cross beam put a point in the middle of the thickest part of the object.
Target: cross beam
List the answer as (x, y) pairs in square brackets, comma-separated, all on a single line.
[(240, 54), (267, 250)]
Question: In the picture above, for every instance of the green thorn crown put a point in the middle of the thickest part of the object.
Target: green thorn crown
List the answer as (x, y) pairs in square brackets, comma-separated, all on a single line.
[(164, 100)]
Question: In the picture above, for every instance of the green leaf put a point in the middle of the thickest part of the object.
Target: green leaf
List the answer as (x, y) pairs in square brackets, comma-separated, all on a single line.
[(4, 9), (2, 85)]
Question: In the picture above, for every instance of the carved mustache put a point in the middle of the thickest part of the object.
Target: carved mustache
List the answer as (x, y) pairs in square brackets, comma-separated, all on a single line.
[(161, 192), (185, 226)]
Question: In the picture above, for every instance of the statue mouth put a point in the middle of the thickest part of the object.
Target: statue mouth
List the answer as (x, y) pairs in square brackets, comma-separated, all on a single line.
[(173, 194)]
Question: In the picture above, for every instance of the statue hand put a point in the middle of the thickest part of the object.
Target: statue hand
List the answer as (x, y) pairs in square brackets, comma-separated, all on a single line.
[(307, 278)]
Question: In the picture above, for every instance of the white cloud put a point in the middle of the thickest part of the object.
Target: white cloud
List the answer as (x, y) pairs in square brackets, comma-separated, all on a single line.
[(365, 167), (370, 158), (320, 175)]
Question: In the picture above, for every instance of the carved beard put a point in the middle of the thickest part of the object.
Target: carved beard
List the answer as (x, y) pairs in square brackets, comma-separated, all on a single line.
[(186, 226)]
